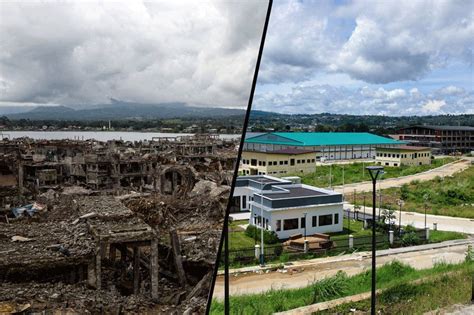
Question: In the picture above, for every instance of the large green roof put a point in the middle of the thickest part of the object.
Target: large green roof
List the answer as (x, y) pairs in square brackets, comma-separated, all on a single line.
[(320, 138)]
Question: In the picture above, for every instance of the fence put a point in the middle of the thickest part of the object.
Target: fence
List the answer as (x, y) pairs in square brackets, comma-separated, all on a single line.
[(341, 245)]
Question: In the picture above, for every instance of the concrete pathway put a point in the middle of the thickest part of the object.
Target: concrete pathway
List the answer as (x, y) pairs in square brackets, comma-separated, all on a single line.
[(252, 280), (416, 219), (442, 171)]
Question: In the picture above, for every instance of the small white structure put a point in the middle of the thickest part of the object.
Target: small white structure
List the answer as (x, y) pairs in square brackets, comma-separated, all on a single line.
[(286, 208)]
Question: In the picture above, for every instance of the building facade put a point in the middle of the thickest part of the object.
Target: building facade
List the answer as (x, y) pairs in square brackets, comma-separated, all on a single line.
[(278, 163), (324, 145), (288, 209), (442, 139), (403, 155)]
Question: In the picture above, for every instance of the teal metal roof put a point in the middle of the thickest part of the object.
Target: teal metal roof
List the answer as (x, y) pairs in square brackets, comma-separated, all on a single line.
[(320, 138)]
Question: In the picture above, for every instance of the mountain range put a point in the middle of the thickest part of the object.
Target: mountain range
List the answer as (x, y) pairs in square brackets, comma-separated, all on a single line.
[(118, 110)]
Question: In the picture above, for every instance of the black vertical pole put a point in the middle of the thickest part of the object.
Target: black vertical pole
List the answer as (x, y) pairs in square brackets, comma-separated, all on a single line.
[(400, 221), (372, 300), (226, 269)]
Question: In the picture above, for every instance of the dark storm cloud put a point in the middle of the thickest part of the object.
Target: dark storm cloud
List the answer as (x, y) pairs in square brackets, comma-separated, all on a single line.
[(202, 53)]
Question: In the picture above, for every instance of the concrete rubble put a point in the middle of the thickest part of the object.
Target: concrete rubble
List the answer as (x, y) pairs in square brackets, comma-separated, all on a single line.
[(116, 227)]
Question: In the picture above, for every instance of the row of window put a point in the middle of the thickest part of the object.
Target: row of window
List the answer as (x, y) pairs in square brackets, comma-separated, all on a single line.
[(403, 156), (322, 220), (270, 163)]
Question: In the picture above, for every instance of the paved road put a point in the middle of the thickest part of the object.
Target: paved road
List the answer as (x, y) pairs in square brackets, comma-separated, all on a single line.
[(302, 273), (444, 223), (442, 171)]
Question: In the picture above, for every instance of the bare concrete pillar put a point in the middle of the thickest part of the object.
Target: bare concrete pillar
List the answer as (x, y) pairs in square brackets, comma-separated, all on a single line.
[(154, 272), (91, 276), (351, 241), (176, 246), (435, 226), (427, 231), (20, 178), (306, 246), (98, 267), (136, 269)]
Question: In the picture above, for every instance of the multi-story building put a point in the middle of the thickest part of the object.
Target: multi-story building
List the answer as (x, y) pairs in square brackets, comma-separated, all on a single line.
[(325, 145), (288, 209), (443, 139), (278, 162), (403, 155)]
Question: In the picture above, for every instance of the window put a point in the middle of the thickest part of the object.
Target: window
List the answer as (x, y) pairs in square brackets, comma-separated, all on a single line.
[(303, 161), (303, 223), (315, 221), (290, 224), (325, 219), (313, 160), (264, 163), (244, 202), (298, 161), (292, 162), (309, 161), (270, 163), (278, 225), (286, 162), (336, 218), (281, 162)]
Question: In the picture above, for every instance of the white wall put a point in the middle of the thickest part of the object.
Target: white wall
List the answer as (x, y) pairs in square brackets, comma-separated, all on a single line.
[(311, 211)]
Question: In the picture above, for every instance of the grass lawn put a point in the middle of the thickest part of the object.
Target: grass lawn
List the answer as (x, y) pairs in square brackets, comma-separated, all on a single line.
[(451, 196), (392, 275), (417, 298), (355, 173), (441, 236), (238, 240)]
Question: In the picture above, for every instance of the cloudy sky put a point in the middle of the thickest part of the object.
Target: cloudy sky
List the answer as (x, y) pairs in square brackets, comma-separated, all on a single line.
[(406, 57), (70, 52)]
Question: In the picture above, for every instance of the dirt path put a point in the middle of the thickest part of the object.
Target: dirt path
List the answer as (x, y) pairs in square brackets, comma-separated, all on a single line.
[(442, 171), (305, 272)]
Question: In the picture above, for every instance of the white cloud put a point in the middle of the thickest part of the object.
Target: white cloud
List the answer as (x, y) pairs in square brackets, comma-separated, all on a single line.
[(451, 90), (202, 53), (372, 41), (433, 106), (365, 101)]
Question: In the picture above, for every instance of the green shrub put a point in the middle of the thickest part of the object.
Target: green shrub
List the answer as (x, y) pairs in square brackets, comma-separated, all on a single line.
[(410, 239), (330, 288), (269, 237)]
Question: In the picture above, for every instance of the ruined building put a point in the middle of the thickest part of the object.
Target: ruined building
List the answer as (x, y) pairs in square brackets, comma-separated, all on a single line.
[(114, 227)]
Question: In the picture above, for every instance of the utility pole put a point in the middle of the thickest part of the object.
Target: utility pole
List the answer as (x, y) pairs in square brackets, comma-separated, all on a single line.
[(374, 172)]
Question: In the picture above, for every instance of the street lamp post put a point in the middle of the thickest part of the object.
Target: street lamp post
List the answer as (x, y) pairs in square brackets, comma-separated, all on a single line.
[(255, 230), (262, 252), (425, 198), (305, 213), (400, 203), (330, 175), (374, 172)]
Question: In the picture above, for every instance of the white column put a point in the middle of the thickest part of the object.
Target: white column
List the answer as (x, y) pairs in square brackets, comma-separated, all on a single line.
[(257, 251), (351, 241), (390, 237)]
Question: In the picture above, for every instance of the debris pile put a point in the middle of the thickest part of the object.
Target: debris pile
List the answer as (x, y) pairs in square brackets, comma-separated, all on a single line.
[(116, 227)]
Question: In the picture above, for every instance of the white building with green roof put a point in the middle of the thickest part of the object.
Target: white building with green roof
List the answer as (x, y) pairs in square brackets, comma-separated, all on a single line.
[(325, 145)]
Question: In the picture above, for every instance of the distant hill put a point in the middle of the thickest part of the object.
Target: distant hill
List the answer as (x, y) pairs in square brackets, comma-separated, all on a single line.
[(118, 110)]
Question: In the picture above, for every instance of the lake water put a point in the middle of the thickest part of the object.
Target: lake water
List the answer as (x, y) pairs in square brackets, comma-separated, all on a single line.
[(97, 135)]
